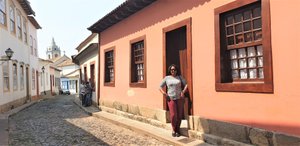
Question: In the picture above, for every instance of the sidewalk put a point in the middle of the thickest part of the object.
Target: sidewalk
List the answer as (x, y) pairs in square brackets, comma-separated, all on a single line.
[(4, 127), (140, 127)]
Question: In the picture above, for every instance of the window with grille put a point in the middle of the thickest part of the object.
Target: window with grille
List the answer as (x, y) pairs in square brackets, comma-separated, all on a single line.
[(15, 77), (3, 12), (243, 55), (5, 71), (138, 65), (109, 67), (244, 43)]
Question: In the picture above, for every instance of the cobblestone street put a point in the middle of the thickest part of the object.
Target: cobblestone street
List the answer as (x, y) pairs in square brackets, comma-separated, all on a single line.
[(58, 121)]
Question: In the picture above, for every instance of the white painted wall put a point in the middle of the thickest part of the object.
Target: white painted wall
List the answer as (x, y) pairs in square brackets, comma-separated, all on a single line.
[(21, 54)]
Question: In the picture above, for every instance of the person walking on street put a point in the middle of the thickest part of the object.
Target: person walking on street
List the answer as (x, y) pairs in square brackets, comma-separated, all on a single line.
[(175, 97), (82, 93)]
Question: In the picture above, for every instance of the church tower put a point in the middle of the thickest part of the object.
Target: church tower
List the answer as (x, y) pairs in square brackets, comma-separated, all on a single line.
[(53, 51)]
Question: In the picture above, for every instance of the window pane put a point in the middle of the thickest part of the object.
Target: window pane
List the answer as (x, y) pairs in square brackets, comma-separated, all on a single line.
[(235, 74), (242, 53), (233, 54), (247, 26), (257, 23), (260, 62), (229, 30), (234, 64), (247, 15), (239, 38), (252, 73), (261, 73), (251, 51), (238, 18), (243, 73), (230, 40), (257, 35), (238, 28), (229, 20), (252, 62), (259, 50), (248, 37), (242, 63), (256, 12)]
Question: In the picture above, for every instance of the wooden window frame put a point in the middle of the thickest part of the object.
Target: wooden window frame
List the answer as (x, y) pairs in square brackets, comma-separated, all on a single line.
[(132, 70), (266, 84), (110, 83)]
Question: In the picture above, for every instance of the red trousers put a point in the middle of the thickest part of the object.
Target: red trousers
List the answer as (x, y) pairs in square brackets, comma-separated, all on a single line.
[(176, 113)]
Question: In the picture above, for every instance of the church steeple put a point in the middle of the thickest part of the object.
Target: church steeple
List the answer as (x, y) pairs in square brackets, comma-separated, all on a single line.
[(53, 51)]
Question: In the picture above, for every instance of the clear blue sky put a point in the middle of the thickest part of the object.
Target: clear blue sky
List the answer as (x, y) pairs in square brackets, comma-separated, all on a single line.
[(67, 21)]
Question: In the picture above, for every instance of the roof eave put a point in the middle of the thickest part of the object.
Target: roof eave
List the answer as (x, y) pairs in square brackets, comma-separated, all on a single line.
[(120, 13)]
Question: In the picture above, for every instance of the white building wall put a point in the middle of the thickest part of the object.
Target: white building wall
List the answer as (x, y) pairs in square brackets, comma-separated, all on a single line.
[(87, 62), (21, 55)]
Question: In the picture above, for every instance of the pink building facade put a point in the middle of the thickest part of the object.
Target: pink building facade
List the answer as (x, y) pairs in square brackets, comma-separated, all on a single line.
[(239, 58)]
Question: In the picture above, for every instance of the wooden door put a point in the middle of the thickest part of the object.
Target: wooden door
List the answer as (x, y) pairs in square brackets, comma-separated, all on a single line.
[(177, 50)]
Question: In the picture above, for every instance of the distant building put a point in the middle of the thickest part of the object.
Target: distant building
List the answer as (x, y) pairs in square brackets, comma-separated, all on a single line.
[(53, 51), (68, 78), (19, 77)]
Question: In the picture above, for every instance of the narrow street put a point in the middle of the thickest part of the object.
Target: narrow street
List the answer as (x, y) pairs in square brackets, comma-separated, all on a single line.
[(58, 121)]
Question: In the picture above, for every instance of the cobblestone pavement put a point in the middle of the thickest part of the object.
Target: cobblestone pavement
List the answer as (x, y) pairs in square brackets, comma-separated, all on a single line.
[(58, 121)]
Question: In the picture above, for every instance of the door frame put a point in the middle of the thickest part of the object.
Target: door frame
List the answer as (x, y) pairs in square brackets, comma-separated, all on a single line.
[(188, 24)]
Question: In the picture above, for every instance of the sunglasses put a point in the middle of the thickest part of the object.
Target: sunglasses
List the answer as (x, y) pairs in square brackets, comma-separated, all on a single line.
[(173, 70)]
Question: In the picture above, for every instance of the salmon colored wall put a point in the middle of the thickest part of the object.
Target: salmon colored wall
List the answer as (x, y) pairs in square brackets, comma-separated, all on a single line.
[(278, 111)]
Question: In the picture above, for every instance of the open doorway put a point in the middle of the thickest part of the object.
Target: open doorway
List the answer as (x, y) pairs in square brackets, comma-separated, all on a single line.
[(177, 50)]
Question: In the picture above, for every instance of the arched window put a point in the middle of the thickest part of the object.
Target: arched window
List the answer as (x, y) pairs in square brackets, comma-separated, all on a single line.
[(21, 77), (15, 77)]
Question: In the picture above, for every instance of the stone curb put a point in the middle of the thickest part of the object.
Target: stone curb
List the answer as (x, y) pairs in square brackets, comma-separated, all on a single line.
[(142, 128)]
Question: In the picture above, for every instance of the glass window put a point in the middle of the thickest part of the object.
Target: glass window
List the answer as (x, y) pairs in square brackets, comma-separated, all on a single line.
[(242, 47), (109, 67), (25, 30), (12, 19), (19, 25), (2, 12)]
